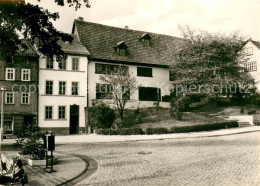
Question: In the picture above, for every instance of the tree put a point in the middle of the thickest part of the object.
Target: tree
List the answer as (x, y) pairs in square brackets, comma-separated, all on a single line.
[(210, 63), (122, 86), (20, 19)]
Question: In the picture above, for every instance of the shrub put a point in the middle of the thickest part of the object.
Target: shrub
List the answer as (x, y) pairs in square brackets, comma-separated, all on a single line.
[(178, 106), (205, 127), (160, 130), (132, 131), (101, 115), (31, 143), (251, 112)]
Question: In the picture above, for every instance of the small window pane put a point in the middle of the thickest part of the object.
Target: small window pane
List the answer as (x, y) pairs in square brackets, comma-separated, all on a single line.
[(62, 88), (62, 111), (75, 64), (48, 112), (25, 98), (49, 87)]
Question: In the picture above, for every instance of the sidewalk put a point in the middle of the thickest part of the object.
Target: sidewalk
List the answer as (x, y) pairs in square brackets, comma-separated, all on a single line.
[(95, 138)]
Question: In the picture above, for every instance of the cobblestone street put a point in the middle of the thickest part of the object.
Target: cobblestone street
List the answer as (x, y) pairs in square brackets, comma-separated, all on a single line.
[(226, 160)]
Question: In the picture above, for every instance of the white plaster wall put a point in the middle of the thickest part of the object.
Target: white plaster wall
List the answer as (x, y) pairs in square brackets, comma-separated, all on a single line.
[(255, 57), (160, 79), (56, 100)]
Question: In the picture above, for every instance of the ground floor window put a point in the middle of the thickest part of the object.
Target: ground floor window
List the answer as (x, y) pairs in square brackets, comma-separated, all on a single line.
[(103, 91), (48, 112), (8, 124), (62, 112), (149, 94)]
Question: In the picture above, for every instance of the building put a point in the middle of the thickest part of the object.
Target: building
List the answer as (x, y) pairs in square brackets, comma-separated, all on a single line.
[(62, 90), (252, 48), (20, 77), (146, 55)]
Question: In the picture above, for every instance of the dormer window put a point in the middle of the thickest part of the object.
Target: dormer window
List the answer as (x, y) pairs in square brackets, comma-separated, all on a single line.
[(121, 48), (145, 39)]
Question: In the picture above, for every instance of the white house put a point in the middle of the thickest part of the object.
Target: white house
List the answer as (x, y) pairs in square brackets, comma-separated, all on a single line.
[(253, 64), (146, 55), (62, 90)]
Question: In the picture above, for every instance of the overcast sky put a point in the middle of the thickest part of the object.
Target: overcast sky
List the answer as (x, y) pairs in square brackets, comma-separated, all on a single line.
[(164, 16)]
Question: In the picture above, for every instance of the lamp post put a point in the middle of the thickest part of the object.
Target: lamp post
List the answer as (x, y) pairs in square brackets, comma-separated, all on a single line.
[(2, 114)]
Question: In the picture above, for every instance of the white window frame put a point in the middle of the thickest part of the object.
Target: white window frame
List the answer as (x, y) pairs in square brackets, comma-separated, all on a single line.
[(65, 86), (29, 98), (73, 62), (64, 111), (51, 112), (72, 88), (11, 93), (12, 71), (23, 73), (63, 64), (12, 127), (51, 88)]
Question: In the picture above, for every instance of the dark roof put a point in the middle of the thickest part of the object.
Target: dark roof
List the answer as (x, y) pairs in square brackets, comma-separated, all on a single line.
[(256, 43), (74, 47), (99, 40), (26, 49)]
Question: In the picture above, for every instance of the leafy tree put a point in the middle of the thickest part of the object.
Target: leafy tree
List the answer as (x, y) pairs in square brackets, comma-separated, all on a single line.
[(20, 19), (122, 84)]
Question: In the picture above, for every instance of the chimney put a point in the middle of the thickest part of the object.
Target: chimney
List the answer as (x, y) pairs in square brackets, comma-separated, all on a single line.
[(80, 18)]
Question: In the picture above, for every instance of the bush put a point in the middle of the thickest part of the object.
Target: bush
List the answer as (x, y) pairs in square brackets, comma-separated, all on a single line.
[(132, 131), (101, 115), (31, 143), (205, 127), (251, 112), (160, 130), (178, 106)]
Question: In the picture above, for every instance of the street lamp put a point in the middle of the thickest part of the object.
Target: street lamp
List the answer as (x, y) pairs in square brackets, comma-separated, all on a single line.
[(2, 89)]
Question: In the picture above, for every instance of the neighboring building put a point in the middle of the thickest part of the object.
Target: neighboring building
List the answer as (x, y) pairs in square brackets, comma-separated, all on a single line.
[(20, 77), (253, 64), (146, 55), (62, 90)]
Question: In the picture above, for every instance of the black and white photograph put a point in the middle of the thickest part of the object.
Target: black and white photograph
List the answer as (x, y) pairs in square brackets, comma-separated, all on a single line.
[(130, 92)]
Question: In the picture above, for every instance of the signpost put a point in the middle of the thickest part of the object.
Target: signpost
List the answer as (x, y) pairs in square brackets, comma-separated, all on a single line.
[(49, 144)]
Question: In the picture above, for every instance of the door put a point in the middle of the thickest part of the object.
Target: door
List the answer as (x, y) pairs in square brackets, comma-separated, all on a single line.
[(28, 121), (74, 119)]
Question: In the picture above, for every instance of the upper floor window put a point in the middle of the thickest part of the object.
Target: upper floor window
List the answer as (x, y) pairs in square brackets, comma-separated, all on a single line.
[(75, 64), (26, 73), (63, 64), (145, 39), (49, 87), (121, 48), (62, 88), (9, 98), (48, 112), (144, 71), (49, 63), (10, 73), (109, 69), (250, 66), (25, 98), (75, 88)]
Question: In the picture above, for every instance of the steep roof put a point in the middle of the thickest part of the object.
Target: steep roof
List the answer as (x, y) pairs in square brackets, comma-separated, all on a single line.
[(256, 43), (99, 40), (75, 47), (26, 49)]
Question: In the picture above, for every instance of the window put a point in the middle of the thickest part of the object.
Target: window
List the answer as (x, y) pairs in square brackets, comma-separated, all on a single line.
[(49, 87), (75, 64), (146, 42), (25, 98), (26, 73), (121, 51), (103, 91), (74, 88), (9, 98), (48, 112), (49, 63), (145, 38), (10, 73), (8, 124), (109, 69), (143, 71), (62, 88), (62, 112), (149, 94), (63, 64), (120, 48), (250, 66), (172, 75)]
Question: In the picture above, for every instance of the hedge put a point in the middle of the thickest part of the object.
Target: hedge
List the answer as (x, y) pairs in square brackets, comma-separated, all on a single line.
[(161, 130)]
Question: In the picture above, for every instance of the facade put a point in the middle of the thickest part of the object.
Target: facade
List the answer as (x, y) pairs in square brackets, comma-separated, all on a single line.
[(62, 90), (253, 64), (20, 77), (146, 55)]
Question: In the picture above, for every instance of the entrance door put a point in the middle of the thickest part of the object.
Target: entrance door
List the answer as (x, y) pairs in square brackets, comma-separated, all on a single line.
[(74, 119), (28, 121)]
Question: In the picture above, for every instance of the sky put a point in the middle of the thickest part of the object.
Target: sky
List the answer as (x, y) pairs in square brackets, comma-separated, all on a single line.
[(164, 16)]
